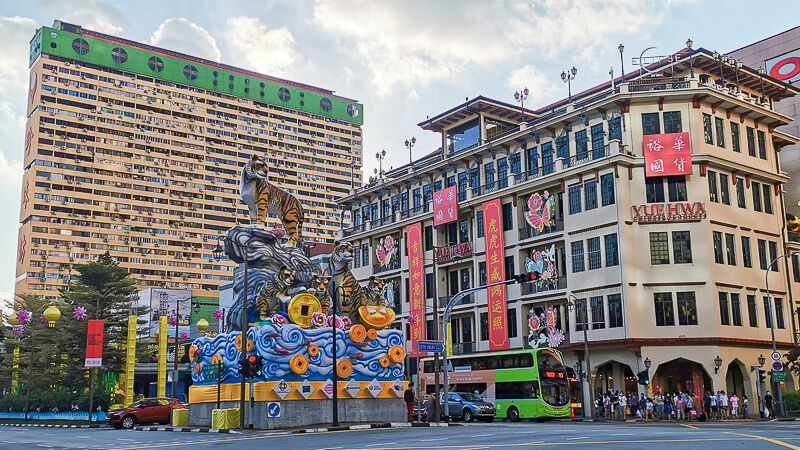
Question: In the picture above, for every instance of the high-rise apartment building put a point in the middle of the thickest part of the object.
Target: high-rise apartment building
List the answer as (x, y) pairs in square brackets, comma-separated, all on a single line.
[(137, 150)]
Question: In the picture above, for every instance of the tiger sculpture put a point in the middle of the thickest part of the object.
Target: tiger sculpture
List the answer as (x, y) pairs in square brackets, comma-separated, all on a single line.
[(319, 287), (353, 295), (259, 195), (374, 291), (276, 293)]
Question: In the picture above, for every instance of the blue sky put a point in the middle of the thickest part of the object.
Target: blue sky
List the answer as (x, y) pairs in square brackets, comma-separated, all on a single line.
[(404, 60)]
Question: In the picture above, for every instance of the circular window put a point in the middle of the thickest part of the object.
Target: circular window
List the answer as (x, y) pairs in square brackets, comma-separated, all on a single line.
[(230, 77), (246, 90), (326, 104), (262, 93), (302, 94), (284, 94), (247, 81), (216, 73), (262, 84), (190, 72), (302, 103), (53, 45), (230, 86), (80, 46), (155, 63), (215, 82), (119, 55), (352, 111)]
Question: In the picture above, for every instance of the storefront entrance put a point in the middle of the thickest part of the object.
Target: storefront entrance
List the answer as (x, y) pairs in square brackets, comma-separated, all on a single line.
[(681, 375)]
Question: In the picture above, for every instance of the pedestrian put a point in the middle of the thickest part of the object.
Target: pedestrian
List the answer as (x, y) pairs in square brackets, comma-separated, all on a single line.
[(734, 405), (745, 404), (680, 408), (408, 397), (724, 404), (649, 409), (623, 404), (634, 406), (708, 410), (768, 411), (689, 407), (697, 402)]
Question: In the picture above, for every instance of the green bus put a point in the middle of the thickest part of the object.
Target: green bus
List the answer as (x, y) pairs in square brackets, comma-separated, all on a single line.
[(533, 386)]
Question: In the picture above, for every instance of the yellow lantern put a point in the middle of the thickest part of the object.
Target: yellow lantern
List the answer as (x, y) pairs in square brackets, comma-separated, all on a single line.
[(52, 314), (13, 320), (202, 325)]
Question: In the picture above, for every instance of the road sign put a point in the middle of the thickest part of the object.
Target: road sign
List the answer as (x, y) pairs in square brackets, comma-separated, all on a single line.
[(273, 409), (211, 367), (430, 346), (211, 376), (352, 387), (778, 377), (776, 356), (777, 366), (282, 389), (327, 388)]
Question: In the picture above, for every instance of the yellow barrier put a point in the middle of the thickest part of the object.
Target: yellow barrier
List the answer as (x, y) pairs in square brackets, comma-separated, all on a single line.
[(180, 417), (219, 419), (233, 418)]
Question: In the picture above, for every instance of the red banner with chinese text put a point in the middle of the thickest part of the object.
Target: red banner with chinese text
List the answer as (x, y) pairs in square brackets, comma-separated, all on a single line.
[(94, 344), (495, 272), (445, 206), (667, 154), (416, 283)]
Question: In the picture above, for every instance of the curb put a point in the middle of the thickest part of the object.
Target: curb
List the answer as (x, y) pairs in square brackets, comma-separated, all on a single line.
[(44, 425), (185, 430), (369, 426)]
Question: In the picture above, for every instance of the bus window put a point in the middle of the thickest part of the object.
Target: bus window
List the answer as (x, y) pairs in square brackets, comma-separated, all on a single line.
[(516, 390), (547, 359)]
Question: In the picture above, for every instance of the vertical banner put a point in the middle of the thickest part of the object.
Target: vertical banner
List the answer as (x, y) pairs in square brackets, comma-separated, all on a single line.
[(130, 359), (496, 272), (94, 344), (416, 282), (162, 357)]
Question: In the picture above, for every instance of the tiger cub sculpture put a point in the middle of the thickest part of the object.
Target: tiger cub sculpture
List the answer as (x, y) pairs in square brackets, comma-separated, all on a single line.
[(345, 288), (374, 291), (319, 287), (259, 195), (276, 293)]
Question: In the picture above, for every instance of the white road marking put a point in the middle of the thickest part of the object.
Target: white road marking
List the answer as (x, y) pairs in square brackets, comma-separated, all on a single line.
[(526, 432), (431, 440), (576, 438), (378, 445), (622, 434), (482, 435)]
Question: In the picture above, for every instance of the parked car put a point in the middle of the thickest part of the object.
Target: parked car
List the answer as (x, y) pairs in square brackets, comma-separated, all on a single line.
[(469, 407), (421, 412), (147, 410)]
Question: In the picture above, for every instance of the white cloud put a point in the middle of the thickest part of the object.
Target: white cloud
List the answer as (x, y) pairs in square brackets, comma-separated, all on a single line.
[(95, 15), (181, 35), (540, 86), (15, 33), (253, 46)]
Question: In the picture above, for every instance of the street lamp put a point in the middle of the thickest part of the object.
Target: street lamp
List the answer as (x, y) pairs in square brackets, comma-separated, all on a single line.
[(621, 48), (719, 58), (380, 156), (689, 43), (217, 253), (776, 386), (409, 145), (761, 360), (737, 65), (761, 72), (717, 364), (647, 363), (585, 324), (520, 97), (567, 77)]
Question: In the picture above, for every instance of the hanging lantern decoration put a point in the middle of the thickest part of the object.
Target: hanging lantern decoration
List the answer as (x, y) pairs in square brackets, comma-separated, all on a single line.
[(79, 313), (202, 325), (13, 320), (51, 315)]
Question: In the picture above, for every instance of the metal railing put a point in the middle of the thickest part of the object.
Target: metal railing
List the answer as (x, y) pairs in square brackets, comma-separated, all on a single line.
[(534, 288), (469, 299), (536, 172), (531, 232), (464, 348), (394, 264), (658, 84)]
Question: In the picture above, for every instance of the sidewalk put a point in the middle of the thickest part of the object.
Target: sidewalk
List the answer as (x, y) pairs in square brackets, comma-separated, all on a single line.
[(297, 430)]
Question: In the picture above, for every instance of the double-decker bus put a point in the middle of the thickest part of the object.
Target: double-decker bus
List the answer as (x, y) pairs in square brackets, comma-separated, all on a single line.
[(524, 384)]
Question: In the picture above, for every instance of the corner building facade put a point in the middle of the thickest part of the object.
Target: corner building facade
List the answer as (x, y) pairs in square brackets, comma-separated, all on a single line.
[(137, 150), (665, 269)]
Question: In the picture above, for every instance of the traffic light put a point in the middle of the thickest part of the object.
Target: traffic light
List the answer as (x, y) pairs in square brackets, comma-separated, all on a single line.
[(644, 378), (244, 368), (762, 376), (254, 365), (527, 277)]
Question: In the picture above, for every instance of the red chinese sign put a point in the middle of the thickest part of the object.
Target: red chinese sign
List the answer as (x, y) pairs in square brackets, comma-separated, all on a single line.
[(667, 154), (495, 272), (445, 206), (94, 344), (416, 284)]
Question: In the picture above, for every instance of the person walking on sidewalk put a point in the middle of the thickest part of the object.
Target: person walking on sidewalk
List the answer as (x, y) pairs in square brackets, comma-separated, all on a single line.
[(768, 411), (680, 409), (408, 397), (734, 400), (623, 404)]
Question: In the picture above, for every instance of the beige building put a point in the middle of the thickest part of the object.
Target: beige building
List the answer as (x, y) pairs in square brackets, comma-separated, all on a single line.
[(137, 150), (670, 268)]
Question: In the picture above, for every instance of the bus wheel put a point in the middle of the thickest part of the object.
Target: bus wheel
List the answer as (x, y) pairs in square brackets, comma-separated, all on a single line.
[(513, 414)]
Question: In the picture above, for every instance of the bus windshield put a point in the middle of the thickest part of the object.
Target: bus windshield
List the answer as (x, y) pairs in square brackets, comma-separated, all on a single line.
[(552, 378)]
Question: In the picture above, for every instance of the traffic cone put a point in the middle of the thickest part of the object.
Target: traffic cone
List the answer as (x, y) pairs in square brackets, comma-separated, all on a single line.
[(571, 412)]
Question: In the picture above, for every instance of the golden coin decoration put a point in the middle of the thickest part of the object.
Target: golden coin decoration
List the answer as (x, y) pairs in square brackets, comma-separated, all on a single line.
[(216, 359), (384, 361), (313, 350), (397, 353), (298, 364), (344, 368), (372, 334), (358, 333), (301, 307)]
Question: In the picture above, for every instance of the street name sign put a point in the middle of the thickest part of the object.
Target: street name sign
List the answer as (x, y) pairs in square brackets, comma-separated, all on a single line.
[(430, 346)]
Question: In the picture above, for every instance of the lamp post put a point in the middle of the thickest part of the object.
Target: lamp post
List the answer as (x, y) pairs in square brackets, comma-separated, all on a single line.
[(737, 65), (761, 361), (380, 156), (717, 364), (335, 377), (217, 252), (585, 348), (719, 58), (689, 44), (621, 48), (520, 97), (567, 77), (647, 364), (761, 72), (409, 146), (775, 386)]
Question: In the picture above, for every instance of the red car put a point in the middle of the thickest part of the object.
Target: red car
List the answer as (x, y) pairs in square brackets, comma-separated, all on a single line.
[(147, 410)]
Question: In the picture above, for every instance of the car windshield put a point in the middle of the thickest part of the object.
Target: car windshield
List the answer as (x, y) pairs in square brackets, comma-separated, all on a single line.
[(138, 404), (471, 397)]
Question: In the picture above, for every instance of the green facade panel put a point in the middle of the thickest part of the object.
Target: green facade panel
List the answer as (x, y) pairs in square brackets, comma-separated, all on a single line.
[(191, 72)]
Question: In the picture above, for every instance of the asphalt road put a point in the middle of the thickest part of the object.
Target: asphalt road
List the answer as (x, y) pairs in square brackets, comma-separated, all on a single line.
[(745, 435)]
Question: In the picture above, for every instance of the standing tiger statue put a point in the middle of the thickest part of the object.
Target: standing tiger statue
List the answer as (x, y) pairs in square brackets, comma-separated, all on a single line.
[(352, 295), (259, 195)]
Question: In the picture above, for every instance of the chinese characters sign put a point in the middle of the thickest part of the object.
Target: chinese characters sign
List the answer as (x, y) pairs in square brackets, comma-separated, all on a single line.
[(667, 154), (495, 273), (416, 283), (445, 206), (94, 344)]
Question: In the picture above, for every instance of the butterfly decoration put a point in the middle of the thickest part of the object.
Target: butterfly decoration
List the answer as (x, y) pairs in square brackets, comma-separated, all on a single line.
[(551, 316), (544, 263), (386, 250), (540, 211)]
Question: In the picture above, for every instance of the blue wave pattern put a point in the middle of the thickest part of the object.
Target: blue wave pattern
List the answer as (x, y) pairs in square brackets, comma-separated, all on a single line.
[(277, 345)]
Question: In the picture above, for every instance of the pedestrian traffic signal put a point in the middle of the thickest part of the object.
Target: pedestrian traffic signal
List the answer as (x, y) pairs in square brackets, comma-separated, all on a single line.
[(527, 277), (762, 376), (254, 365), (644, 378), (244, 368)]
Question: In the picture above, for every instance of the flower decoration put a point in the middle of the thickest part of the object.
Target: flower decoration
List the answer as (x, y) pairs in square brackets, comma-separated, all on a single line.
[(412, 319), (172, 320), (319, 320), (155, 358), (279, 320), (42, 319), (338, 319), (79, 313), (555, 338), (24, 317), (346, 322), (185, 335), (219, 314), (18, 330)]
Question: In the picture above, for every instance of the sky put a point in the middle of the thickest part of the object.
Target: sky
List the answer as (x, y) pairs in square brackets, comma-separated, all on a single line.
[(404, 60)]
